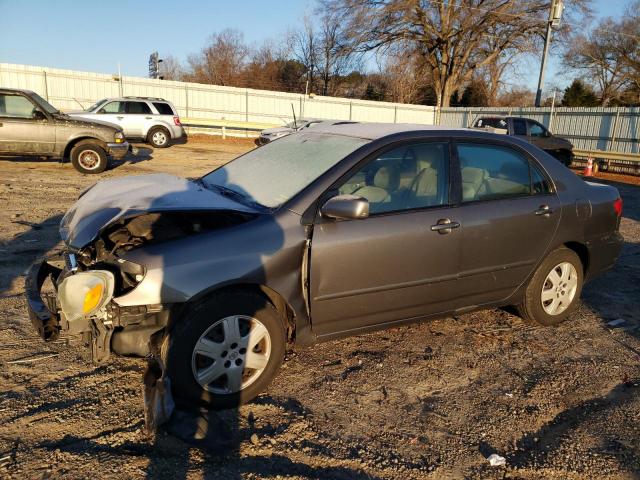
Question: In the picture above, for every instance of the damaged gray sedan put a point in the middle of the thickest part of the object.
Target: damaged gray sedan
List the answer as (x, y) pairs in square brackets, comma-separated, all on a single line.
[(326, 233)]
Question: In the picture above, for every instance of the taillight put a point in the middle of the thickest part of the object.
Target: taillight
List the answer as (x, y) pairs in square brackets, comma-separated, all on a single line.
[(617, 206), (176, 120)]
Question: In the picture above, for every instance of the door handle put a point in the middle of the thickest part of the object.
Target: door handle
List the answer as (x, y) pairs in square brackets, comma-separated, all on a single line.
[(444, 226), (0, 124), (147, 118), (119, 118), (544, 210)]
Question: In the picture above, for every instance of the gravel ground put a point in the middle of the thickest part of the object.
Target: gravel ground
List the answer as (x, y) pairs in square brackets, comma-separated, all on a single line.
[(426, 401)]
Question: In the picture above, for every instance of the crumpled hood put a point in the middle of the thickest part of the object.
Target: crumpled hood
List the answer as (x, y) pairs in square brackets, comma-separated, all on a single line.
[(110, 200)]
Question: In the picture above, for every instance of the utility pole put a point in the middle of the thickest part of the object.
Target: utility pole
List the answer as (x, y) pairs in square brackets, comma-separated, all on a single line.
[(555, 14)]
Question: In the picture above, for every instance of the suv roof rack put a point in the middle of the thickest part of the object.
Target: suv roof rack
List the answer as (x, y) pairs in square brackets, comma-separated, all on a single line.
[(147, 98)]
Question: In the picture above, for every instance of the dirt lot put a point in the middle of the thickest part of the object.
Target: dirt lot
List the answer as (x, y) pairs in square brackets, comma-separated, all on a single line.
[(425, 401)]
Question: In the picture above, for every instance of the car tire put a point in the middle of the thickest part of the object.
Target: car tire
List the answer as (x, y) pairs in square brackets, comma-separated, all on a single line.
[(88, 157), (204, 328), (159, 137), (553, 292)]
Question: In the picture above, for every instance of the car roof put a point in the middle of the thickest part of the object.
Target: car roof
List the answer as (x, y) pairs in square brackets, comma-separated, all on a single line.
[(14, 90), (373, 131), (144, 99)]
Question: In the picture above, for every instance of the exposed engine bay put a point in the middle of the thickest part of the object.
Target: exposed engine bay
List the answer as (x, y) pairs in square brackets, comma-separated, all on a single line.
[(107, 325)]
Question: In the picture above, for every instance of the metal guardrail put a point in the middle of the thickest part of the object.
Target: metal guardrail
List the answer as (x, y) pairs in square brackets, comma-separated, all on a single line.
[(226, 127), (618, 162)]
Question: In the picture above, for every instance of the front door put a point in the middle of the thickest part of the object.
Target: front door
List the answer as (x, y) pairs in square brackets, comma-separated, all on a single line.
[(398, 263), (136, 117), (509, 214), (113, 112), (24, 128)]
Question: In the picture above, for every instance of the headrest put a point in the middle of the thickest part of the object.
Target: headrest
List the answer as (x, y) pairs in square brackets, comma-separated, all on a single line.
[(387, 178), (472, 175)]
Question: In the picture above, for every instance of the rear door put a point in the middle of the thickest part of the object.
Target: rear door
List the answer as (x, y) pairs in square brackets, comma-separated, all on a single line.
[(24, 128), (510, 215), (395, 264)]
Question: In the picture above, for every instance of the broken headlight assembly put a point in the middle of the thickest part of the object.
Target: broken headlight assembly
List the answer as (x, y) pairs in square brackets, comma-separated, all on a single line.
[(85, 293)]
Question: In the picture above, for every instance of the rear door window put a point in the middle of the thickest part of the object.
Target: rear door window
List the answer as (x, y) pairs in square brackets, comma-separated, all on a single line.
[(15, 106), (163, 108), (491, 172), (137, 108)]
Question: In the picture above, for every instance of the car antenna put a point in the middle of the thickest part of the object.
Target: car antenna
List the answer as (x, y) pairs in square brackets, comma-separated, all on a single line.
[(295, 124)]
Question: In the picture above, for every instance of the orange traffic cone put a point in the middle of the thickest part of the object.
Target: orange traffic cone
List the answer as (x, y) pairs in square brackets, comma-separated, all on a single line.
[(588, 171)]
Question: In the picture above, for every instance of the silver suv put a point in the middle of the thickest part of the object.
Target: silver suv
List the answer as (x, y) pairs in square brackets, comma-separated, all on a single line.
[(151, 119)]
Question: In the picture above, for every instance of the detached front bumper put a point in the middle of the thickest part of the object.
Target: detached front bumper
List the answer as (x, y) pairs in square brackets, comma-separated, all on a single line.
[(43, 309), (118, 150)]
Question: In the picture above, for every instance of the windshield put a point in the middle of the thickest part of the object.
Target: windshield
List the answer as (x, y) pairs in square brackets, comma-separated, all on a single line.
[(271, 175), (46, 106), (95, 105)]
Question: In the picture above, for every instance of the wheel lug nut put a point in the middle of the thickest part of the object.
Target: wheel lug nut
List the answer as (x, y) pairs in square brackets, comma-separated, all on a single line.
[(238, 361), (224, 354), (234, 345), (227, 364)]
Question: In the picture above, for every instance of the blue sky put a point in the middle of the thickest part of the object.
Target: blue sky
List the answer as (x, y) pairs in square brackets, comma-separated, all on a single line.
[(94, 35)]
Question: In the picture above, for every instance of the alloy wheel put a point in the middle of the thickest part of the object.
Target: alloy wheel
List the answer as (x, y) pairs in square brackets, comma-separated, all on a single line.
[(231, 354), (559, 288)]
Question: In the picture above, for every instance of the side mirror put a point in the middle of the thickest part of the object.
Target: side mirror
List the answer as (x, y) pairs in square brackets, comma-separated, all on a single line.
[(38, 115), (346, 207), (102, 110)]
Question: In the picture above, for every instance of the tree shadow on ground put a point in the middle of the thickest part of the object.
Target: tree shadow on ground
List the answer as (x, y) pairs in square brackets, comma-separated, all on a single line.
[(170, 457), (20, 252)]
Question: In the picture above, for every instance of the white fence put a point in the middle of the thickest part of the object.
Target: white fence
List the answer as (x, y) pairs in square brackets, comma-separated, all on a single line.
[(72, 90), (611, 129)]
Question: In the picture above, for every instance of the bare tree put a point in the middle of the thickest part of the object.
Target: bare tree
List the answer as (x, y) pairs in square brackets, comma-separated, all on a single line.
[(304, 44), (334, 56), (628, 46), (404, 74), (171, 68), (598, 57), (221, 61), (447, 35)]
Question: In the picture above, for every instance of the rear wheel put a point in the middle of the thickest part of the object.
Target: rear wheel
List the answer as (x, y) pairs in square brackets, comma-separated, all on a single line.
[(89, 157), (554, 290), (159, 137), (226, 351)]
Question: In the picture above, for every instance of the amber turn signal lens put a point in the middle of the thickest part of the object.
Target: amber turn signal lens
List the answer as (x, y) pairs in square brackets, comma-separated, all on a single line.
[(92, 298)]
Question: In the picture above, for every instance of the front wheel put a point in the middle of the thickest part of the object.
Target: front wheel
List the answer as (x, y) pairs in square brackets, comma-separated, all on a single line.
[(89, 157), (225, 351), (554, 290)]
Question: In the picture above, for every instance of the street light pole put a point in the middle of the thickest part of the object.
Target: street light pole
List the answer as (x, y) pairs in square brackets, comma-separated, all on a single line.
[(555, 13), (543, 65)]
